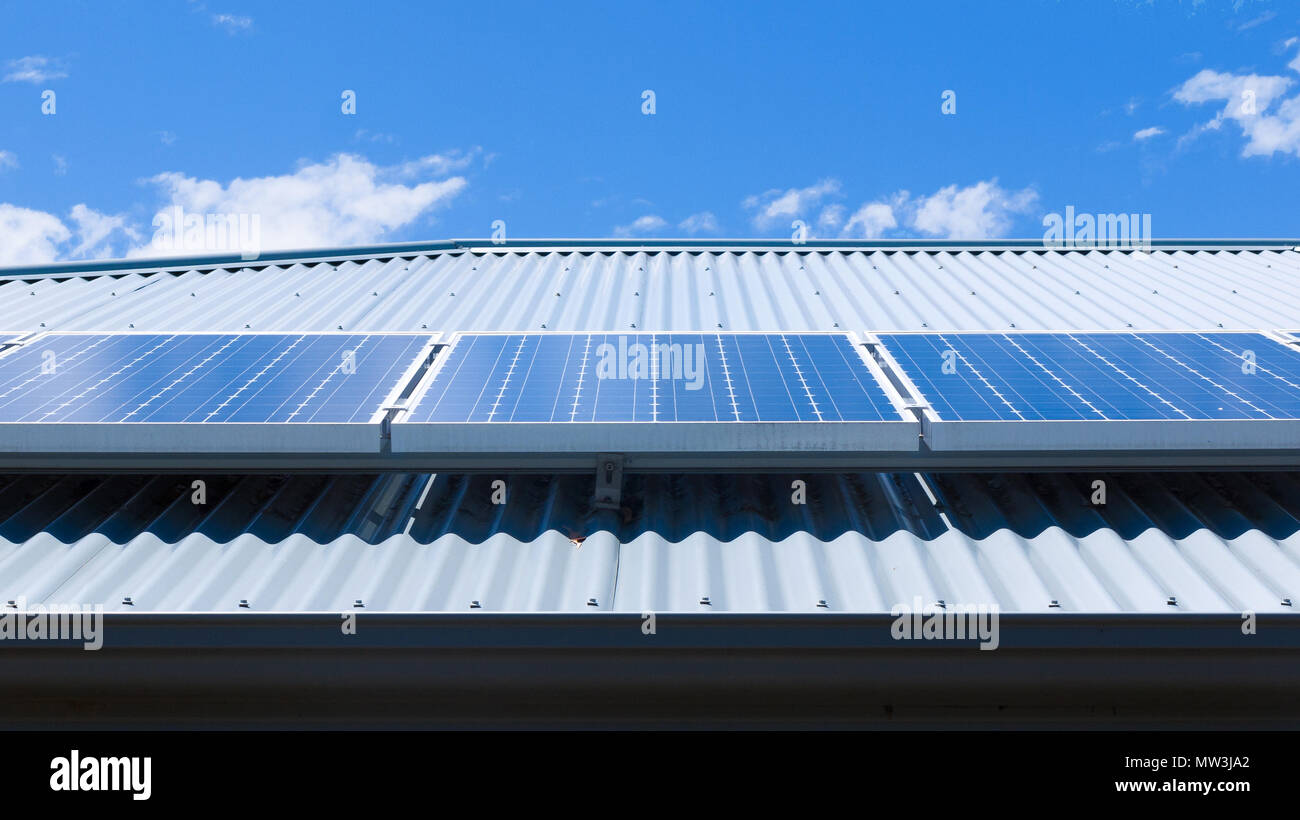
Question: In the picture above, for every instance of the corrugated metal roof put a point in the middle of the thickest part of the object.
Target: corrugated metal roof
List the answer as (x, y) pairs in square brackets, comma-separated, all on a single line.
[(612, 286), (1211, 542), (1164, 542)]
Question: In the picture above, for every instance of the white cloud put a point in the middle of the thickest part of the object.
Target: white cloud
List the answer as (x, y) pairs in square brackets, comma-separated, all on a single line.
[(343, 201), (8, 160), (980, 211), (1258, 21), (1248, 100), (34, 237), (233, 23), (96, 231), (650, 223), (777, 207), (30, 237), (1148, 133), (703, 222), (34, 69), (871, 220), (60, 164)]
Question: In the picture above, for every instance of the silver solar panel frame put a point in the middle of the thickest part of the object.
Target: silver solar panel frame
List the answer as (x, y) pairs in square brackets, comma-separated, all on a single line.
[(658, 443), (1114, 435), (132, 438)]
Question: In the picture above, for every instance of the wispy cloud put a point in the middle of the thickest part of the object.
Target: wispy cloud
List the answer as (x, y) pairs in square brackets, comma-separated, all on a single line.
[(35, 69), (1257, 21), (8, 161), (984, 210), (648, 224), (233, 23), (1257, 104), (703, 222), (1148, 133), (775, 206)]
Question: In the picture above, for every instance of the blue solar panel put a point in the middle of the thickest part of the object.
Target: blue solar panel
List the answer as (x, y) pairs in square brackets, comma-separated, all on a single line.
[(203, 378), (653, 377), (1101, 376), (7, 337)]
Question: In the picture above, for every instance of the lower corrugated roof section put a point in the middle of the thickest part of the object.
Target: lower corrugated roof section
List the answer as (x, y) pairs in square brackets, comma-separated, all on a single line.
[(1162, 542)]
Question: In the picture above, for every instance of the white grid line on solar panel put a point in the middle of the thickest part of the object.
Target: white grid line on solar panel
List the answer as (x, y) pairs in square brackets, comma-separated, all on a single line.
[(161, 377), (1181, 375), (503, 377)]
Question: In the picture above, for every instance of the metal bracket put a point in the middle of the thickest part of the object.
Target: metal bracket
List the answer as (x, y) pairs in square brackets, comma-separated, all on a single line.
[(609, 482)]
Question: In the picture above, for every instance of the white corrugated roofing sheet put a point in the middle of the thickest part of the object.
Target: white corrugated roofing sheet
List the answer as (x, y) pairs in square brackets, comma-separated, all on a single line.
[(1164, 542), (613, 288)]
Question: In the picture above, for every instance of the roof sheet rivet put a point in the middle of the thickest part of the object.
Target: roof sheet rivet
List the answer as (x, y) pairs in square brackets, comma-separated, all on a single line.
[(1054, 604), (1234, 291), (192, 293), (475, 605), (704, 601), (1220, 324), (634, 325), (941, 603), (374, 293), (247, 325), (243, 603), (837, 324), (972, 293), (592, 602), (821, 603), (1130, 324), (1172, 601), (543, 325), (126, 601), (1076, 293), (1286, 602), (817, 293), (132, 324), (924, 324), (424, 326), (11, 604), (42, 324), (1013, 324), (112, 293), (719, 324), (557, 293), (358, 604), (895, 293), (340, 327)]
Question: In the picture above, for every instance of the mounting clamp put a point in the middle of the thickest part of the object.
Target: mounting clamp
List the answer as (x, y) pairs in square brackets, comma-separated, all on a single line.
[(609, 482)]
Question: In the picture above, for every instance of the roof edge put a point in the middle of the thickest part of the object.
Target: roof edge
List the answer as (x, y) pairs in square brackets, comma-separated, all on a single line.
[(357, 252)]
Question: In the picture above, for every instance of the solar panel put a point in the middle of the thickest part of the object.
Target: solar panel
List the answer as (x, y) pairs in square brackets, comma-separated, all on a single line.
[(1105, 377), (11, 336), (198, 381), (650, 386), (665, 377)]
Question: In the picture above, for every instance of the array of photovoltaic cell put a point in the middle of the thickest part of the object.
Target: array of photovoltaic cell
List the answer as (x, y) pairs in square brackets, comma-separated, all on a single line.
[(1101, 376), (203, 378), (645, 377), (7, 337)]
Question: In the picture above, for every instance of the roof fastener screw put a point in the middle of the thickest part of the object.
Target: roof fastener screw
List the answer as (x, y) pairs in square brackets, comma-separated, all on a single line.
[(246, 324), (1286, 602), (11, 604), (821, 603), (126, 601), (634, 324), (374, 293), (112, 293), (358, 604), (1055, 604), (543, 325), (243, 603), (131, 325), (941, 604), (704, 601), (475, 605), (719, 324), (895, 293), (340, 327), (1172, 601), (592, 602), (424, 326)]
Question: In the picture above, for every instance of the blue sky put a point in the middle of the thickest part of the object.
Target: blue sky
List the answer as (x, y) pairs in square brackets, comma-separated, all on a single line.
[(532, 114)]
